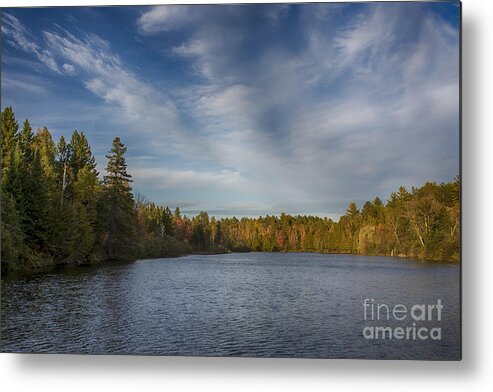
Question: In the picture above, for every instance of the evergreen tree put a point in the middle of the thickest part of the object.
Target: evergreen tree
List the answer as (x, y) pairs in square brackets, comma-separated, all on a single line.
[(26, 138), (26, 182), (116, 168), (116, 209), (15, 177), (12, 236), (10, 128), (78, 195), (37, 205), (54, 207), (80, 154), (46, 149), (352, 210)]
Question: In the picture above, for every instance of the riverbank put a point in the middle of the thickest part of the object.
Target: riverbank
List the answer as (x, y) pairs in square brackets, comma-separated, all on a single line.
[(45, 264)]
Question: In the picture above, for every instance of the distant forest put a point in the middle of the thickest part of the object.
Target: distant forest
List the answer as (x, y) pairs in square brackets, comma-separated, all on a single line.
[(57, 210)]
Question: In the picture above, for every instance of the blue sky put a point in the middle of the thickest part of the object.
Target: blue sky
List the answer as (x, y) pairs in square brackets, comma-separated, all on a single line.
[(248, 110)]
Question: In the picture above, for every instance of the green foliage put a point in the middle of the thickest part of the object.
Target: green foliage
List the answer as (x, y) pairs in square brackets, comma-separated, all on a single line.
[(26, 139), (423, 223), (45, 147), (12, 236), (24, 181), (80, 155), (116, 214), (55, 209), (10, 129)]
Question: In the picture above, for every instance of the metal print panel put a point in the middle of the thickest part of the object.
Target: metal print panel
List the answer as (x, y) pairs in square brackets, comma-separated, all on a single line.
[(261, 180)]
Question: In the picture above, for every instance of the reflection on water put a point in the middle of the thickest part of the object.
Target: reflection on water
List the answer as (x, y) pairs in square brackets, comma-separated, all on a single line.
[(248, 304)]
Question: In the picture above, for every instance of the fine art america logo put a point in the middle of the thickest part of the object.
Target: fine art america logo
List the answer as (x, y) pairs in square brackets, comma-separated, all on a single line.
[(401, 322)]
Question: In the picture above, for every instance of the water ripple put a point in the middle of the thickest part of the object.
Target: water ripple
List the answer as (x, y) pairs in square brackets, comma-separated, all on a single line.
[(255, 304)]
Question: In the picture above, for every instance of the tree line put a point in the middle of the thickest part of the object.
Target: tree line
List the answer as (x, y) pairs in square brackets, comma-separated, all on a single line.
[(56, 209), (422, 223)]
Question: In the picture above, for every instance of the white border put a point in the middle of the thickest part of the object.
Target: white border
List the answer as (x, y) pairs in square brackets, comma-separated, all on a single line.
[(90, 373)]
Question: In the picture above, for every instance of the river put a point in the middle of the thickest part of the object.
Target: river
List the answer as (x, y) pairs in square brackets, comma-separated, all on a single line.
[(244, 304)]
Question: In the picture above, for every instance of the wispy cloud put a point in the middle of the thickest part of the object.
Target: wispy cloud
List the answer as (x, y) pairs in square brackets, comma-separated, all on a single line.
[(392, 116), (310, 106), (18, 36), (161, 178), (69, 69), (103, 73), (165, 18), (30, 84)]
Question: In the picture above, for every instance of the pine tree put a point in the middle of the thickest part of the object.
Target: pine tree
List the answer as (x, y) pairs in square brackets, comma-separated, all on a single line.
[(15, 176), (10, 128), (74, 223), (37, 205), (117, 220), (12, 236), (168, 222), (80, 154), (82, 168), (26, 138), (26, 182), (46, 149), (116, 169), (352, 210)]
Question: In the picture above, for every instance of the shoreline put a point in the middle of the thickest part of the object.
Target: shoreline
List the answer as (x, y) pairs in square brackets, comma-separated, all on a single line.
[(25, 270)]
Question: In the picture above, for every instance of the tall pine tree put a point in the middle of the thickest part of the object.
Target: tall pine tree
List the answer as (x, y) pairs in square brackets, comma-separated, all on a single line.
[(80, 154), (10, 129), (117, 219), (26, 138)]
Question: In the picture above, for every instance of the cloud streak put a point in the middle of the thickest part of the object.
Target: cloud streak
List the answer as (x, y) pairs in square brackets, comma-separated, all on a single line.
[(18, 36), (171, 17), (393, 121), (277, 105), (137, 105)]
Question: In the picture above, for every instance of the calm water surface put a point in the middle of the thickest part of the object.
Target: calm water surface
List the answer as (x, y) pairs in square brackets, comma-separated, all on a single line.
[(248, 304)]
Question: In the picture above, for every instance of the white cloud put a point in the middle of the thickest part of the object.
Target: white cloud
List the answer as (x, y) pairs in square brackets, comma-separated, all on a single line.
[(160, 178), (138, 111), (18, 36), (348, 113), (192, 48), (141, 107), (69, 69), (371, 32), (16, 82), (225, 109), (91, 53), (165, 18), (394, 115)]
